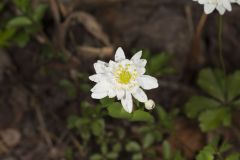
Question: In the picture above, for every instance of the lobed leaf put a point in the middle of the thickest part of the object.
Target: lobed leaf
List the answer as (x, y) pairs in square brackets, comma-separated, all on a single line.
[(212, 82), (212, 119), (198, 104)]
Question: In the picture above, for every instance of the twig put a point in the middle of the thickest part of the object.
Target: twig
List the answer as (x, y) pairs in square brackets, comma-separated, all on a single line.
[(195, 57), (189, 19), (42, 125)]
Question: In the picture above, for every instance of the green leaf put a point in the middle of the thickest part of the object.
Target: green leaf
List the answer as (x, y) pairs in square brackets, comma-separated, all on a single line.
[(145, 53), (157, 63), (39, 12), (77, 122), (23, 5), (236, 104), (21, 39), (117, 147), (6, 35), (96, 157), (72, 121), (137, 156), (165, 118), (166, 150), (140, 115), (206, 154), (224, 147), (162, 114), (116, 110), (20, 21), (98, 127), (234, 156), (148, 140), (106, 102), (133, 146), (212, 119), (197, 104), (233, 86), (178, 156), (104, 148), (212, 82), (112, 155), (2, 5)]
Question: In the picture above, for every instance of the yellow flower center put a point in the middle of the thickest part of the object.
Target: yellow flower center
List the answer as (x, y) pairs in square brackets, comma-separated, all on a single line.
[(124, 76)]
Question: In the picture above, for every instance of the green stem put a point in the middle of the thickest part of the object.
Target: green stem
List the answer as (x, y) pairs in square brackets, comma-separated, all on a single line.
[(220, 30), (221, 57)]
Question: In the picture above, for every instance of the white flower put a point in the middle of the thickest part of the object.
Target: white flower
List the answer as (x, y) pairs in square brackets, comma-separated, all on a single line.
[(220, 5), (149, 105), (122, 78)]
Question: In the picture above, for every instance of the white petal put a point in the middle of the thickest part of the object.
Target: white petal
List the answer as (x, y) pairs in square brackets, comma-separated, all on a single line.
[(137, 56), (209, 8), (96, 78), (119, 56), (120, 94), (202, 1), (111, 93), (127, 102), (147, 82), (102, 86), (227, 5), (221, 9), (112, 64), (99, 95), (140, 95), (142, 62), (141, 71), (100, 67)]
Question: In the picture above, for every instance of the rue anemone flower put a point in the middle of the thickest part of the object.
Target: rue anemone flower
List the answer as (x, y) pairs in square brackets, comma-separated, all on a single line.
[(122, 78), (220, 5)]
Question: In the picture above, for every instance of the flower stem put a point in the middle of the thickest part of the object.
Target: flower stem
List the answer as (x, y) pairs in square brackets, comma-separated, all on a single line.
[(221, 57), (220, 30)]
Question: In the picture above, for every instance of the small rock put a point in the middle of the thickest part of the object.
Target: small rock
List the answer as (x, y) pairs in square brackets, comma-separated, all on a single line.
[(11, 137)]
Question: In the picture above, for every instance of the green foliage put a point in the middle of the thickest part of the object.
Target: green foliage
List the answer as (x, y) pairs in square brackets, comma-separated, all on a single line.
[(215, 110), (206, 154), (23, 5), (148, 140), (89, 124), (2, 5), (6, 35), (69, 154), (20, 21), (116, 110), (158, 65), (133, 146), (39, 12), (166, 150), (70, 88), (140, 115), (212, 82), (166, 119), (168, 154), (212, 119), (18, 29), (216, 150), (234, 156)]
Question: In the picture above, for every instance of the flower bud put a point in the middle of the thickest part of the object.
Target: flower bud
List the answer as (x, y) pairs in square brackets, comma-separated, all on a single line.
[(150, 104)]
